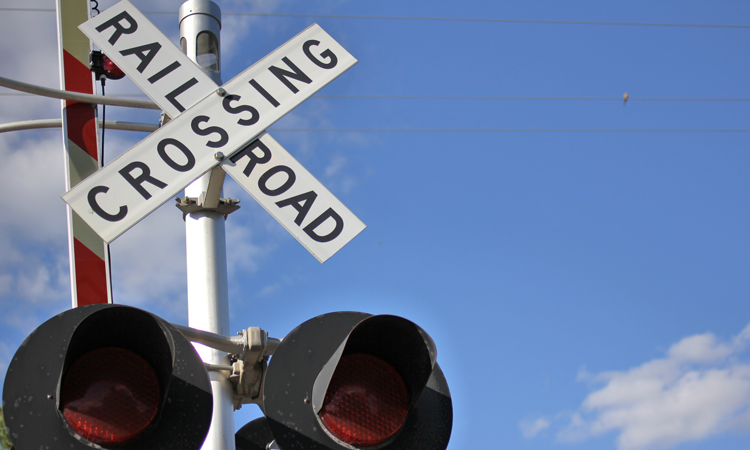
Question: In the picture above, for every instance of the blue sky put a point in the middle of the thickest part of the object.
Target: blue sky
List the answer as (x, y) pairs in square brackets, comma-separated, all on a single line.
[(581, 263)]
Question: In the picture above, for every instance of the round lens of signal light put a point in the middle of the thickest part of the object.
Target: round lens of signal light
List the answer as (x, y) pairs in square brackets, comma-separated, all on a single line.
[(111, 70), (366, 402), (109, 396)]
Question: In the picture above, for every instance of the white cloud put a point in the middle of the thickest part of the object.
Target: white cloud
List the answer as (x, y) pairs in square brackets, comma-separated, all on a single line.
[(6, 281), (149, 260), (337, 163), (5, 356), (700, 389), (33, 243), (269, 290), (701, 348), (148, 263), (29, 50), (243, 254), (336, 180), (34, 276), (531, 428), (236, 30), (32, 170)]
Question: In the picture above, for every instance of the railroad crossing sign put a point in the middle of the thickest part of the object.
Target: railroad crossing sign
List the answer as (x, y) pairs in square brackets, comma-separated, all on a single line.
[(214, 125)]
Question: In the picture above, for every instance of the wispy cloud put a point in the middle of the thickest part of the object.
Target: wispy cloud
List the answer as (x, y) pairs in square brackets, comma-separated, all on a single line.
[(34, 271), (34, 276), (4, 357), (236, 31), (532, 427), (699, 389), (33, 170)]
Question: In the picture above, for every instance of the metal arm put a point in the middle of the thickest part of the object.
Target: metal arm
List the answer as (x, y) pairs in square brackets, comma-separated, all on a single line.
[(76, 96), (235, 345), (57, 123)]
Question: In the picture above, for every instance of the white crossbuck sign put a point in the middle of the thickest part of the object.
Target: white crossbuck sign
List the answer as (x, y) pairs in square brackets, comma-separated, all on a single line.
[(214, 125)]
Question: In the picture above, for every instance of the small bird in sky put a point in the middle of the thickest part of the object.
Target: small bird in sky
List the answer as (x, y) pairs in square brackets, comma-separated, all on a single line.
[(625, 99)]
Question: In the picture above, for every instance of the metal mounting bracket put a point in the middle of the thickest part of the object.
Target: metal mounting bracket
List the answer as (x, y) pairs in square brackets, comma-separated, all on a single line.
[(249, 352), (189, 205), (249, 367)]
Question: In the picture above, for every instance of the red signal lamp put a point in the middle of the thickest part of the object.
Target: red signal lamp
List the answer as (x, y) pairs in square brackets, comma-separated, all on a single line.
[(111, 71), (103, 67), (109, 396), (366, 402)]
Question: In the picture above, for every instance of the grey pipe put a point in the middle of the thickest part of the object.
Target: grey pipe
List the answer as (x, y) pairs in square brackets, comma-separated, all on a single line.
[(76, 96), (57, 123)]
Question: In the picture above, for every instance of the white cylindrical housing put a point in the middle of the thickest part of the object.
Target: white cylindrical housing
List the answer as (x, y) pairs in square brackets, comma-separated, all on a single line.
[(200, 30)]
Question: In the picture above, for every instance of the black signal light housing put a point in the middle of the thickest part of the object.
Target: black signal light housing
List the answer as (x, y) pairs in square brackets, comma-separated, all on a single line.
[(350, 380), (107, 377)]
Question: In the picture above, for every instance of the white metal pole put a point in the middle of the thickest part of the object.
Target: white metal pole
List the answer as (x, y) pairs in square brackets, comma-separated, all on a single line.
[(208, 297)]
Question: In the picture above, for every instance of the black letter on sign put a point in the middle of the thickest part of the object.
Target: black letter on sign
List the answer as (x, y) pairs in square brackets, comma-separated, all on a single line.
[(98, 209), (326, 54), (254, 159), (329, 214), (301, 203), (172, 95), (242, 108), (142, 178), (291, 178), (223, 136), (162, 148), (151, 50), (264, 93), (119, 30), (163, 72), (282, 75)]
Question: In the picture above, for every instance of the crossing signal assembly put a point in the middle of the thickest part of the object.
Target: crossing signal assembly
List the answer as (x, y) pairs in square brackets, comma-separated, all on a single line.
[(116, 377), (353, 381), (107, 376)]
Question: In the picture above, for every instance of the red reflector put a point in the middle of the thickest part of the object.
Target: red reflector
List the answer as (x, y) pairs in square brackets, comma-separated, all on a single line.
[(111, 70), (109, 396), (366, 402)]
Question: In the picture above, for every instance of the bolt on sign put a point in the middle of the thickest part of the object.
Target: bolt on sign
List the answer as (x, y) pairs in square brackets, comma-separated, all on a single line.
[(214, 125)]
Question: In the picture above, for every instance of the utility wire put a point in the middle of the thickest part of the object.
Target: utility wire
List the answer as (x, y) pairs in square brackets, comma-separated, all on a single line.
[(464, 97), (27, 9), (513, 130), (469, 19), (486, 97), (439, 19)]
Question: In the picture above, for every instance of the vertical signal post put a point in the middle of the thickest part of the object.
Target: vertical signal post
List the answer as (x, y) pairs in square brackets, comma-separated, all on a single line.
[(206, 248), (89, 254)]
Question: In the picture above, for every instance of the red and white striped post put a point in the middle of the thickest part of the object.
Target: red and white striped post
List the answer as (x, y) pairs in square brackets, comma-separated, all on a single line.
[(89, 255)]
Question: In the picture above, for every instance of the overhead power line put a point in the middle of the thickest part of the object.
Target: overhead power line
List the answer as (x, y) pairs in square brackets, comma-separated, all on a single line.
[(514, 130), (27, 9), (490, 97), (470, 19), (439, 19), (487, 97)]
